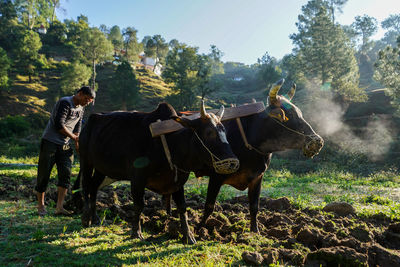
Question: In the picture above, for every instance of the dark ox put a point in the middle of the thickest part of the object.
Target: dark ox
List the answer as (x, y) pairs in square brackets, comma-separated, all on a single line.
[(119, 145), (279, 127)]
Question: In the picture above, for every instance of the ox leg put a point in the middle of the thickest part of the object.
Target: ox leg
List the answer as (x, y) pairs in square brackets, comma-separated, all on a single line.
[(179, 198), (214, 185), (77, 198), (87, 172), (254, 197), (137, 189), (98, 178), (166, 202)]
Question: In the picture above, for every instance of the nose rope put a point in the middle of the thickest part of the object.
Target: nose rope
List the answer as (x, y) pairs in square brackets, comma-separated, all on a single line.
[(250, 147), (290, 129), (208, 150), (221, 166)]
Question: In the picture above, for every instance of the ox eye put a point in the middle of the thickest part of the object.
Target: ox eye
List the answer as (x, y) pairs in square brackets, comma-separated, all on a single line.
[(210, 133)]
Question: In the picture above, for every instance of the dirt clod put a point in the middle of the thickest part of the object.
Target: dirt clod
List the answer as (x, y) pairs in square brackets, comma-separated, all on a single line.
[(340, 208), (333, 256), (299, 237), (253, 258)]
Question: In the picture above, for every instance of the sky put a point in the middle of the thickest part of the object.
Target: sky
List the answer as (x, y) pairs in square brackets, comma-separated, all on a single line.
[(244, 30)]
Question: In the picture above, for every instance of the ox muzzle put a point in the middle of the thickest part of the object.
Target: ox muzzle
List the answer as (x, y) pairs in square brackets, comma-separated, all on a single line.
[(312, 145), (226, 166)]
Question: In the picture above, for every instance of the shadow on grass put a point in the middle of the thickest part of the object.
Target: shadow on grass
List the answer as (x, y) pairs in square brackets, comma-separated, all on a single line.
[(49, 240)]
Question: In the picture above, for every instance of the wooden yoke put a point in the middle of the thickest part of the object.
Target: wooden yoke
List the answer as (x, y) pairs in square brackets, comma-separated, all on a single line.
[(168, 126)]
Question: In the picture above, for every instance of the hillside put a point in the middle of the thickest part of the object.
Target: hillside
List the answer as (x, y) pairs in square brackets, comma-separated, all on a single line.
[(25, 98)]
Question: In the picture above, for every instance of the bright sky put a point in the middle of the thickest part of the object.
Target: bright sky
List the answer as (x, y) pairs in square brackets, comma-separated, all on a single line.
[(242, 29)]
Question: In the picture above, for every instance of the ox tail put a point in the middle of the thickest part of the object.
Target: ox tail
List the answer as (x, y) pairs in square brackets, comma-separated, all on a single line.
[(77, 198)]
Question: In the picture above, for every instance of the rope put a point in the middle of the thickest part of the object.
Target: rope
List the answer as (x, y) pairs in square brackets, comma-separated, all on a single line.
[(250, 147), (246, 143), (290, 129), (208, 150), (221, 166)]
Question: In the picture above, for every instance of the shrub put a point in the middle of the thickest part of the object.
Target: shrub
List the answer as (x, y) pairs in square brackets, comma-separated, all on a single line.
[(13, 125)]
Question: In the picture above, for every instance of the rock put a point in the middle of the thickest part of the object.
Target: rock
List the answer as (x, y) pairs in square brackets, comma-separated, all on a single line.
[(253, 258), (335, 256), (340, 208), (278, 204)]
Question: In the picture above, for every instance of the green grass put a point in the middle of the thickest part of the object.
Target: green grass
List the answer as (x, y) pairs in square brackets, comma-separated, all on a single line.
[(26, 238), (57, 241)]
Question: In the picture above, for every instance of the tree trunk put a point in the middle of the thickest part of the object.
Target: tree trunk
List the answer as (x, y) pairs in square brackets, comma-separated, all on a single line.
[(94, 74)]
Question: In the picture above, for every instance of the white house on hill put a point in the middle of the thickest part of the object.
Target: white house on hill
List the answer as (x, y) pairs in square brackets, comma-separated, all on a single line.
[(149, 62)]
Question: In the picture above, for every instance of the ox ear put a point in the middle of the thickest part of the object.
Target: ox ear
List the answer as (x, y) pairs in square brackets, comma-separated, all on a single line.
[(183, 121), (278, 113)]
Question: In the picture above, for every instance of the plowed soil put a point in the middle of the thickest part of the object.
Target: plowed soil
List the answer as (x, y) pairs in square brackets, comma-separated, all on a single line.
[(300, 237)]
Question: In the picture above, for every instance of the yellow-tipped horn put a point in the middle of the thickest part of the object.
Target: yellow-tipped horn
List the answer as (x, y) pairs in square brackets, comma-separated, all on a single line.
[(203, 112), (275, 89), (220, 112), (292, 91)]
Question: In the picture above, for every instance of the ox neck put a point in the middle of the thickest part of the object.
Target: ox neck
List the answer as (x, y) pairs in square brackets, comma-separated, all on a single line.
[(184, 156)]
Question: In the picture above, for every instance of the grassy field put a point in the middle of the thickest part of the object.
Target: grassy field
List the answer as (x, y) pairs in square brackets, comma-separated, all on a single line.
[(26, 239)]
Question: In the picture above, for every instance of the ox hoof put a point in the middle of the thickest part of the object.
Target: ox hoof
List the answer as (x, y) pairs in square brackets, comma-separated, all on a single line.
[(95, 220), (137, 235), (199, 226), (255, 229), (85, 219), (189, 240)]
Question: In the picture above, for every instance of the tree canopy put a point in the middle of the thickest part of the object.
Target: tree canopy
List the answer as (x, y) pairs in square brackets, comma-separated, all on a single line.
[(324, 52), (125, 89), (387, 71)]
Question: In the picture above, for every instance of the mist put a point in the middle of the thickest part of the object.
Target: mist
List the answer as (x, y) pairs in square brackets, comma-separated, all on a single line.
[(327, 118)]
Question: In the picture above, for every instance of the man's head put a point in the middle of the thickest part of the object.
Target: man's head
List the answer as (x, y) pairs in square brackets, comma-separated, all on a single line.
[(85, 95)]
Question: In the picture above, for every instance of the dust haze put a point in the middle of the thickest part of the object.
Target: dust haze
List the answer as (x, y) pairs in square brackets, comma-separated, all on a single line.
[(327, 118)]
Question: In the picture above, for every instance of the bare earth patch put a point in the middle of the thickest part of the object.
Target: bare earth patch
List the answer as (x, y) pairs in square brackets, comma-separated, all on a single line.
[(287, 234)]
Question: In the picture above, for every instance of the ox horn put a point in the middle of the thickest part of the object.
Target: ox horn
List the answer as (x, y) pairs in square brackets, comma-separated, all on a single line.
[(275, 89), (203, 112), (220, 112), (292, 91)]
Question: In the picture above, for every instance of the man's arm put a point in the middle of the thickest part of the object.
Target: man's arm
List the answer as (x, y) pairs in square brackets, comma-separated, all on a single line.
[(59, 120)]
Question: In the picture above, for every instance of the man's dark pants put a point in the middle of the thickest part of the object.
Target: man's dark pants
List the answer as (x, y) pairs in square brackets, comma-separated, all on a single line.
[(50, 154)]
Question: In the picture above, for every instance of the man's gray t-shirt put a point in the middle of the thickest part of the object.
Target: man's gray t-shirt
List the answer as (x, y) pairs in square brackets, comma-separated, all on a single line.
[(64, 113)]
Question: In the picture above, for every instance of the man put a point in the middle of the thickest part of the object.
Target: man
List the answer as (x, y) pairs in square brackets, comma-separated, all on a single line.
[(64, 125)]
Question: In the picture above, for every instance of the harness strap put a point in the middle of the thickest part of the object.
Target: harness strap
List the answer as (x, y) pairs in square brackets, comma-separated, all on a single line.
[(166, 151), (246, 143)]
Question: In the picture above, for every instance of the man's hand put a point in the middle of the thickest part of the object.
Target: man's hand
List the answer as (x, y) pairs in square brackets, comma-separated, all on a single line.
[(77, 146), (76, 139)]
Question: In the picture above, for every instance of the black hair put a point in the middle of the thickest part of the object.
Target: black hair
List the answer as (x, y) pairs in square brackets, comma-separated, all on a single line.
[(87, 91)]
